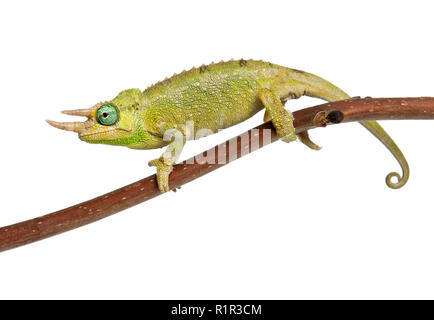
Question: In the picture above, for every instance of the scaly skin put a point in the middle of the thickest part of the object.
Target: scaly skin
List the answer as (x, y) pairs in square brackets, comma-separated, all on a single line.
[(209, 98)]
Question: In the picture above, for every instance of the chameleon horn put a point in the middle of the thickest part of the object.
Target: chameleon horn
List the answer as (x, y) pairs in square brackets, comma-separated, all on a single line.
[(79, 112), (70, 126)]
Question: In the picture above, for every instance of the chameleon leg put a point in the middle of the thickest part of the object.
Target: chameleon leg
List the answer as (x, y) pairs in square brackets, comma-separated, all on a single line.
[(303, 136), (282, 119), (266, 116), (164, 164)]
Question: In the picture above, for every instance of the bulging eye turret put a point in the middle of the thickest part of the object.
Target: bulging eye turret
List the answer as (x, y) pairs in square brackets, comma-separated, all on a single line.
[(107, 115)]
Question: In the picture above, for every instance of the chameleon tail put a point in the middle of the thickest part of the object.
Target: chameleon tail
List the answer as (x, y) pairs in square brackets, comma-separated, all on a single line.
[(320, 88), (382, 135)]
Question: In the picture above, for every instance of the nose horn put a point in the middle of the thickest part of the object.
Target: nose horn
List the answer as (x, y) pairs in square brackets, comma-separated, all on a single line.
[(74, 126), (69, 126), (79, 112)]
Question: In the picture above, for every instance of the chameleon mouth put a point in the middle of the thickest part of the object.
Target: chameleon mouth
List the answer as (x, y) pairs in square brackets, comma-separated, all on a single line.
[(75, 126), (103, 132)]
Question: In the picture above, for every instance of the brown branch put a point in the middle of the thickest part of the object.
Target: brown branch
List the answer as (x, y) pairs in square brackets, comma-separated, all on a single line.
[(81, 214)]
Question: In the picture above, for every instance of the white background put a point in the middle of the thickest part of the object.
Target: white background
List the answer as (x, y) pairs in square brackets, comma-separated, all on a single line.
[(284, 222)]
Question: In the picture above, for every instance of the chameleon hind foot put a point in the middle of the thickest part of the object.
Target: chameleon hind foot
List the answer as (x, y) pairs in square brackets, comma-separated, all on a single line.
[(281, 119), (163, 171), (305, 139), (302, 136)]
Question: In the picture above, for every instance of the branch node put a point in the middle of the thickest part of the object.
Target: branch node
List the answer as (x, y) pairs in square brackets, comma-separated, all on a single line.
[(320, 119), (335, 117)]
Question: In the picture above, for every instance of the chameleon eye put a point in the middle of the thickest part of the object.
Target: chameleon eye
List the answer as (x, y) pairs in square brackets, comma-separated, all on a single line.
[(107, 115)]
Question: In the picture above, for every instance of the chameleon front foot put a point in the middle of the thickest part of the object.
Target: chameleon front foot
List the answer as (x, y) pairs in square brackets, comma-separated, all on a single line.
[(163, 171)]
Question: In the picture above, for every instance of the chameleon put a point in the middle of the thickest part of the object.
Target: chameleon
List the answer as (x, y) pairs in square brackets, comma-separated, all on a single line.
[(211, 97)]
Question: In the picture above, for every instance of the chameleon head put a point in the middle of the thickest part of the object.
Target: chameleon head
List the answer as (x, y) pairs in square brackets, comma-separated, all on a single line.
[(115, 122)]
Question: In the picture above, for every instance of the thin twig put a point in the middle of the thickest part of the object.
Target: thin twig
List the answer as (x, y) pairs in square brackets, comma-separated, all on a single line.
[(330, 113)]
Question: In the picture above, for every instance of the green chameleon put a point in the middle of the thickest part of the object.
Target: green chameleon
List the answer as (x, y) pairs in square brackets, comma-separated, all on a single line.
[(211, 97)]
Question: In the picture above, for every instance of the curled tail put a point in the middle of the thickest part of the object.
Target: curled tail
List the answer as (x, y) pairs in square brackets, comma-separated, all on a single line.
[(382, 135), (320, 88)]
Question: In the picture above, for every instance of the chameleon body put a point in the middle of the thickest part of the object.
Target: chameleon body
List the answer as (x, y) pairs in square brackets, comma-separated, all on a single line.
[(209, 98)]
